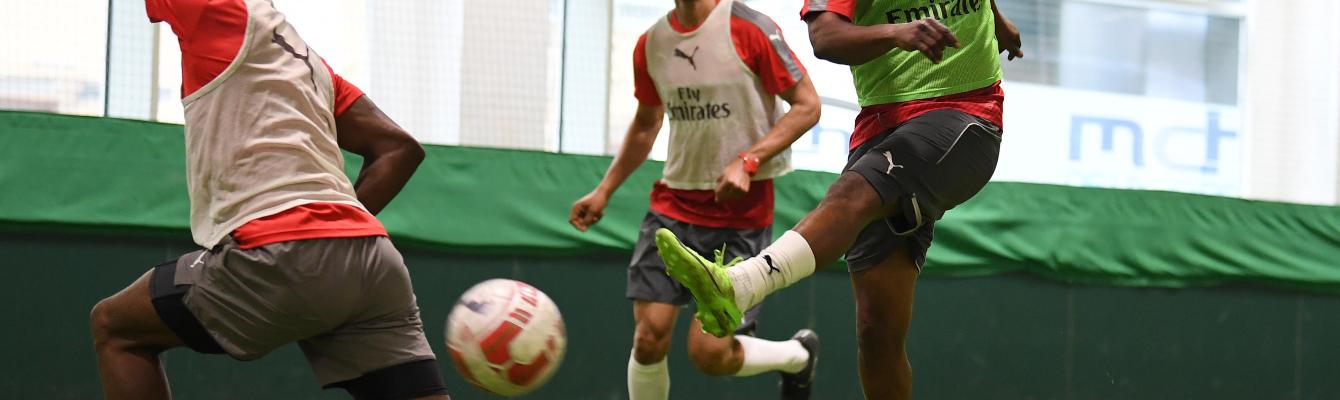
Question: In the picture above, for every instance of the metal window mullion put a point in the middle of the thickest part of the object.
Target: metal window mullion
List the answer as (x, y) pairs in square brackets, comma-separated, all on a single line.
[(153, 75), (107, 61)]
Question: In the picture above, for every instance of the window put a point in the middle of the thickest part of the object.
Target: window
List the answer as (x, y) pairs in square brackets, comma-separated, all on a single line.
[(1137, 48), (1125, 94), (61, 73)]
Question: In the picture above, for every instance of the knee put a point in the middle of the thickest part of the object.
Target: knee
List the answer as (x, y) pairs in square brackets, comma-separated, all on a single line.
[(715, 360), (101, 323), (650, 344), (876, 332)]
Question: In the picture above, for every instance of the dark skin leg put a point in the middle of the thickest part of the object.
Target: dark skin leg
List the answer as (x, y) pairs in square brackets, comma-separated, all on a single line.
[(128, 337), (884, 292), (884, 296), (850, 204)]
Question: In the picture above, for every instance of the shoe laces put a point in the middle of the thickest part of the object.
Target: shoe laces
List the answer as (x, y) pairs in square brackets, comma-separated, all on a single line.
[(721, 258)]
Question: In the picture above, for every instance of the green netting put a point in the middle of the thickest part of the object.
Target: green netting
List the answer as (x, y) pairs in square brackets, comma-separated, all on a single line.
[(63, 171)]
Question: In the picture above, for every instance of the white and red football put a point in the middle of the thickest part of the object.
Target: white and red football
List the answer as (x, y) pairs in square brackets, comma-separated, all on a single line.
[(506, 337)]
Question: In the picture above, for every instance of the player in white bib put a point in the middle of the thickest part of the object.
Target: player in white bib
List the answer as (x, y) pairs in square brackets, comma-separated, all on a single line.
[(716, 69), (290, 249)]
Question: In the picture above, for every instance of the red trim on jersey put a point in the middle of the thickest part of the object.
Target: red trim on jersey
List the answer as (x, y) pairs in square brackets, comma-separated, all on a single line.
[(643, 88), (987, 103), (308, 221), (210, 33), (751, 44), (845, 8), (345, 93), (699, 207)]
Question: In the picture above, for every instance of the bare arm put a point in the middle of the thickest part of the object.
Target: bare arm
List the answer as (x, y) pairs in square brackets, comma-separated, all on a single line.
[(637, 145), (837, 39), (802, 116), (1007, 36), (390, 155)]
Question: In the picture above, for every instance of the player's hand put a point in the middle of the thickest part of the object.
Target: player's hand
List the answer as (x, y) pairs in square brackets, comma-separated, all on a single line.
[(1007, 38), (928, 36), (733, 183), (588, 210)]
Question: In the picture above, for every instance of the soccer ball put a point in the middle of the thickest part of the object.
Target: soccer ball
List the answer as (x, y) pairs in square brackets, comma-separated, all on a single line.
[(506, 337)]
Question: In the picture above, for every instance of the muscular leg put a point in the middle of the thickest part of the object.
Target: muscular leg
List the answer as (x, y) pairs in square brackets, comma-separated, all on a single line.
[(831, 228), (819, 239), (655, 326), (713, 355), (964, 150), (128, 336), (944, 158), (648, 377), (884, 292), (883, 314)]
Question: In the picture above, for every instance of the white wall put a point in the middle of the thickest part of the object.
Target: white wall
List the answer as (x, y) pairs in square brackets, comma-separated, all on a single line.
[(1292, 99), (508, 81)]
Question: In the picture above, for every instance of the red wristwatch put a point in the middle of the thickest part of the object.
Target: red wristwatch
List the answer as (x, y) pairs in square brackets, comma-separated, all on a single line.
[(750, 163)]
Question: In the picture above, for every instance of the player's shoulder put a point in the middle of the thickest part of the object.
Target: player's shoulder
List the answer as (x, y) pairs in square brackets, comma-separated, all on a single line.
[(749, 19), (661, 22), (641, 45)]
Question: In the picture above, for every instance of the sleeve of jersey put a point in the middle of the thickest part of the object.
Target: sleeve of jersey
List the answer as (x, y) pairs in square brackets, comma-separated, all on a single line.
[(845, 8), (345, 93), (763, 49), (644, 89), (156, 10), (180, 14)]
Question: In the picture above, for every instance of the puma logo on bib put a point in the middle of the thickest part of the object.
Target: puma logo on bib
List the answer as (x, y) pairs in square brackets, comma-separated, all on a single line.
[(680, 53)]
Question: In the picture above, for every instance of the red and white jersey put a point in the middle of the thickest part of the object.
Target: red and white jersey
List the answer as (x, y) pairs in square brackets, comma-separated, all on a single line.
[(717, 106), (719, 83), (260, 132)]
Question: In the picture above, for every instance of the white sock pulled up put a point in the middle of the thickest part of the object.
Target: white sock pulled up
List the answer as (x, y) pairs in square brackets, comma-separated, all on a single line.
[(782, 264), (764, 355), (648, 382)]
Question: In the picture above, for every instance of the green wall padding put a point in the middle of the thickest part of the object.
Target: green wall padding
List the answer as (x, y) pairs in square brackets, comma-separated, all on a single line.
[(66, 171), (1005, 336)]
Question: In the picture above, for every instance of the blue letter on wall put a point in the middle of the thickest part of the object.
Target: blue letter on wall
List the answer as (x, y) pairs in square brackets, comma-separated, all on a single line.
[(1109, 128)]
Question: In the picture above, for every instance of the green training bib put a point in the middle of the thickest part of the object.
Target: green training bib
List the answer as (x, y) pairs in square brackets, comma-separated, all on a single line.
[(901, 75)]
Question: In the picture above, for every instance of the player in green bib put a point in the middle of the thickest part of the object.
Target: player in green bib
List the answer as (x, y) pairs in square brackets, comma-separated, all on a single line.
[(927, 75)]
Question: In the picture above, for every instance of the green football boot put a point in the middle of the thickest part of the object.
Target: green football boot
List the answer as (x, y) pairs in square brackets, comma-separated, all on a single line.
[(706, 280)]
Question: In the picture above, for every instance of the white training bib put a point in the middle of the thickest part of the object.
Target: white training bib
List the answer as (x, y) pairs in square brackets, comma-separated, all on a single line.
[(716, 105), (260, 137)]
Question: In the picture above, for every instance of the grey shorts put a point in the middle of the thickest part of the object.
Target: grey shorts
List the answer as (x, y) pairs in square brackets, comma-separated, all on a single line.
[(930, 164), (346, 301), (648, 281)]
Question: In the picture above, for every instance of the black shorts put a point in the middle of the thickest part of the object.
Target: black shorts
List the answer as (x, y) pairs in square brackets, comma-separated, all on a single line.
[(648, 281), (928, 165)]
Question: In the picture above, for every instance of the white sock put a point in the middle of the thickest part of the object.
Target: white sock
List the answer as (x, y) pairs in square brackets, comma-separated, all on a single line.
[(786, 261), (763, 355), (648, 382)]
